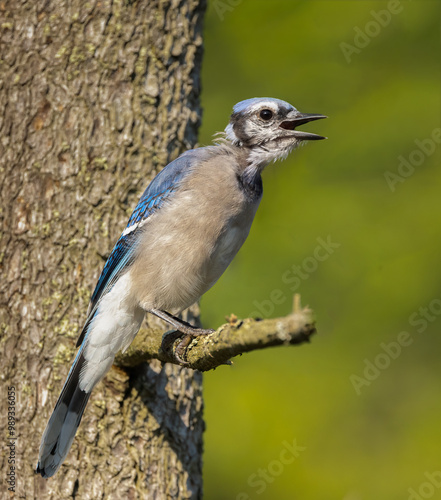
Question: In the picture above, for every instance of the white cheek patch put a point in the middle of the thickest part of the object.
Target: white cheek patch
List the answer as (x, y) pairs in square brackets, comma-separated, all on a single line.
[(261, 156), (263, 138)]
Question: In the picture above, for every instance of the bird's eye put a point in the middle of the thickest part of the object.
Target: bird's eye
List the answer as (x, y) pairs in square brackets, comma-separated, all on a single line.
[(266, 114)]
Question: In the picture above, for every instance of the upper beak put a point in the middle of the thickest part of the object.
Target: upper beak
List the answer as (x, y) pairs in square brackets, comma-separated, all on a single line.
[(294, 119)]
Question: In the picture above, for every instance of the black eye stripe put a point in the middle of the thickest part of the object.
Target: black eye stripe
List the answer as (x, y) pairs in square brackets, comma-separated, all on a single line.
[(266, 114)]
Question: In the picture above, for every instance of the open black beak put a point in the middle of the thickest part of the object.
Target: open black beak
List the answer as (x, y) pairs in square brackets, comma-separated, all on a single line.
[(299, 119)]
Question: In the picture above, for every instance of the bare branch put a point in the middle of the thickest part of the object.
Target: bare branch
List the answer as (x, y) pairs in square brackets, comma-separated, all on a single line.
[(234, 338)]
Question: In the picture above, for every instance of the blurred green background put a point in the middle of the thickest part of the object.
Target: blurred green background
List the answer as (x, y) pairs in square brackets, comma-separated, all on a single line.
[(373, 435)]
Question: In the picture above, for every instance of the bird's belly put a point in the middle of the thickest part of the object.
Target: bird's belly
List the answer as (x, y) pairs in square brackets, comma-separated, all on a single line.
[(194, 269), (225, 249), (180, 261)]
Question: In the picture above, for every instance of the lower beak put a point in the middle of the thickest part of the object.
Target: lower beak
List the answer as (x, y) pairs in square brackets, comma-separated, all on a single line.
[(299, 119)]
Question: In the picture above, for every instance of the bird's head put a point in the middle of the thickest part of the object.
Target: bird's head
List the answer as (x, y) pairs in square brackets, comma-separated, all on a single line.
[(267, 127)]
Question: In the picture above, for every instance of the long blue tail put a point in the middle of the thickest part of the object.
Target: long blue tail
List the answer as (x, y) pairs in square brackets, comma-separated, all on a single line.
[(63, 424)]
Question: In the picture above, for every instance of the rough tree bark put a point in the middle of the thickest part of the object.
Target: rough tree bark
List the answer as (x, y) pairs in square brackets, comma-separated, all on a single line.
[(95, 97)]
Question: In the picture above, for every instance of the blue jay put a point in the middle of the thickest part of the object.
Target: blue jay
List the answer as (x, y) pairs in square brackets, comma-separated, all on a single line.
[(186, 228)]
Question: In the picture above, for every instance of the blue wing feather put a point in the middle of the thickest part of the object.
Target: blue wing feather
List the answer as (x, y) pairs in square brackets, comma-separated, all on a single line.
[(158, 191)]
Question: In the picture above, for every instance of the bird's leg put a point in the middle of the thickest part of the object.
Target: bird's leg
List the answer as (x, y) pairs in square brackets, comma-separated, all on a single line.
[(181, 326)]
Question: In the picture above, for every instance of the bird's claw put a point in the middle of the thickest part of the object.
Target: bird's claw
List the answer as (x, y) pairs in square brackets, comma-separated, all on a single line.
[(187, 336)]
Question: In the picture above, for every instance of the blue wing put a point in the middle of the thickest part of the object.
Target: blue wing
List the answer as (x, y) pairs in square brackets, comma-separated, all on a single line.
[(158, 191)]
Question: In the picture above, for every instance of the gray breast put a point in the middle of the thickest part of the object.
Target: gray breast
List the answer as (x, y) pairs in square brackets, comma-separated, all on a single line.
[(233, 236), (192, 240)]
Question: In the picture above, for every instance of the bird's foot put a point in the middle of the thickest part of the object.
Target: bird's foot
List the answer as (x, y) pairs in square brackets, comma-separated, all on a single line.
[(183, 329), (185, 339)]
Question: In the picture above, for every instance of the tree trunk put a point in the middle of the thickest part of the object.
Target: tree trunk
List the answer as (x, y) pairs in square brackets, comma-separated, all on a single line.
[(95, 98)]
